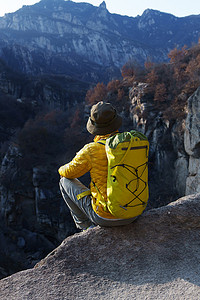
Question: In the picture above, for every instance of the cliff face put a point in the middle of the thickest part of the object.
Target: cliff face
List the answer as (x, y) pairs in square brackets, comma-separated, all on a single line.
[(174, 149), (33, 219), (88, 42), (31, 203), (58, 38), (192, 143), (52, 91), (155, 257)]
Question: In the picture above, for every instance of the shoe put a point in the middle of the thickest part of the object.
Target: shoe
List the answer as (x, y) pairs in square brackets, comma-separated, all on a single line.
[(90, 227)]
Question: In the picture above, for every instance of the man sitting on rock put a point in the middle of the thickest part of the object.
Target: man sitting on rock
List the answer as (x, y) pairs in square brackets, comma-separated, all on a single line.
[(84, 203)]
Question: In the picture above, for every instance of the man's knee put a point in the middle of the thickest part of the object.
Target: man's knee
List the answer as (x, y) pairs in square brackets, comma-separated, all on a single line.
[(64, 185), (65, 182)]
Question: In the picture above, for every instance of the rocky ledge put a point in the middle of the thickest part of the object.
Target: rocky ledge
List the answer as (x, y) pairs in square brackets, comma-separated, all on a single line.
[(156, 257)]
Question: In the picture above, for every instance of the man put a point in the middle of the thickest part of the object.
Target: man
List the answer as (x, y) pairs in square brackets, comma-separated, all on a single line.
[(85, 204)]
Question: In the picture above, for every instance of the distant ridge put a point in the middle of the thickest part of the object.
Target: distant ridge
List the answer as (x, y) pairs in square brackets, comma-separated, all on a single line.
[(88, 42)]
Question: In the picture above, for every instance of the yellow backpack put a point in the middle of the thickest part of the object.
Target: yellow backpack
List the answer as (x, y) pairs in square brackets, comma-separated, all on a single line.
[(127, 181)]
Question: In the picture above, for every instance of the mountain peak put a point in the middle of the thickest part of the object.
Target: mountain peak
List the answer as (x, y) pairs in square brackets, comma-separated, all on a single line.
[(52, 1), (103, 5)]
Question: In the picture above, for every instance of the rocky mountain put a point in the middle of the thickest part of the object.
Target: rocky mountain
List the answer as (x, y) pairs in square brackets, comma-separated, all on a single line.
[(172, 173), (155, 257), (31, 205), (52, 90), (88, 42), (50, 54)]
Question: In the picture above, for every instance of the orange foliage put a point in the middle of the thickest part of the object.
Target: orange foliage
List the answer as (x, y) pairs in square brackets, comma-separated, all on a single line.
[(76, 119), (96, 94), (152, 77), (169, 84), (160, 92), (176, 55), (128, 70), (41, 139), (149, 65), (120, 94), (113, 85), (133, 71)]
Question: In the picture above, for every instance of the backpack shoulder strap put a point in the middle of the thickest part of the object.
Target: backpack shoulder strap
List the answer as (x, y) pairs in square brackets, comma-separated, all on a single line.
[(102, 142)]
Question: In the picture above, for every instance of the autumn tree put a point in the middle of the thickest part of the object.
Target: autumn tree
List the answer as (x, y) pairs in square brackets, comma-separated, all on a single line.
[(149, 65), (76, 120), (96, 94), (128, 70), (168, 84), (178, 61), (41, 139), (120, 94), (177, 55), (113, 86), (133, 71), (160, 92)]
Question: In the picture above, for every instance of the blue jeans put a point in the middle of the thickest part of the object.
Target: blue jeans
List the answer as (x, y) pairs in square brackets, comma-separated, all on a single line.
[(81, 210)]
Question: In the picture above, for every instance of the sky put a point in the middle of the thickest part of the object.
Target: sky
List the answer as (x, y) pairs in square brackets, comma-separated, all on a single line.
[(132, 8)]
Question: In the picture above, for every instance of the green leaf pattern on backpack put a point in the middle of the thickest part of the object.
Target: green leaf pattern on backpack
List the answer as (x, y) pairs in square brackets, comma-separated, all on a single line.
[(118, 138)]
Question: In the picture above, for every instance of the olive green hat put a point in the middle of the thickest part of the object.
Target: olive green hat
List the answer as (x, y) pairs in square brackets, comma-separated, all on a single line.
[(103, 119)]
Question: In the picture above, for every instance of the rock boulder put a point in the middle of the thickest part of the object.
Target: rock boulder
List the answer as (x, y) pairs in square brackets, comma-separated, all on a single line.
[(156, 257)]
